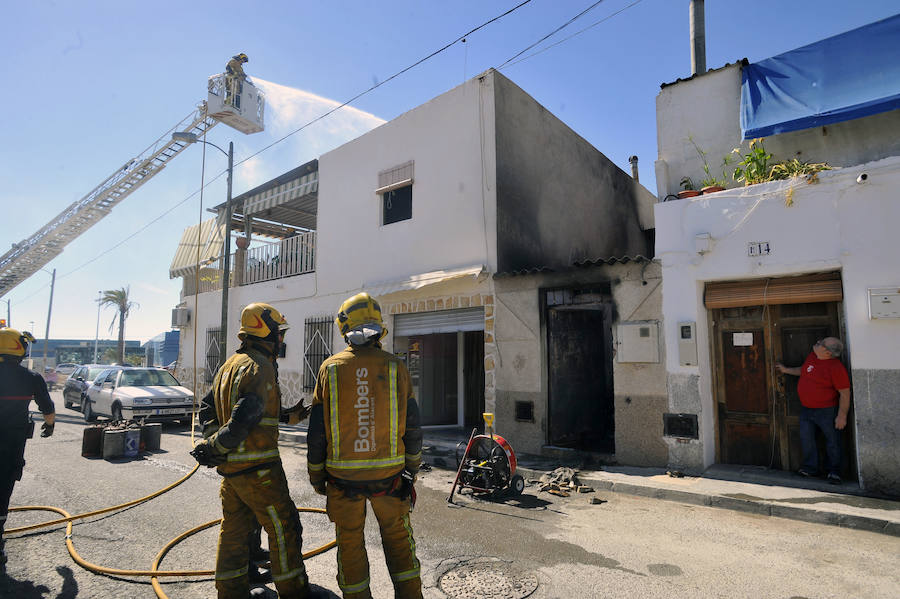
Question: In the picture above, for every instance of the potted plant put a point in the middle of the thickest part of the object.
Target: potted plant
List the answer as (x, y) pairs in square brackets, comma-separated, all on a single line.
[(710, 183), (687, 191)]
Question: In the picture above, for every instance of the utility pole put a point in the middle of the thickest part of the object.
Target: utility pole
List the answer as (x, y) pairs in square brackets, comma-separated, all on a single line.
[(97, 333), (226, 279), (49, 311)]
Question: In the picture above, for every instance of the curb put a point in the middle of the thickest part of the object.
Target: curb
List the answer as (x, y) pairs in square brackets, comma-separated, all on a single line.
[(761, 508)]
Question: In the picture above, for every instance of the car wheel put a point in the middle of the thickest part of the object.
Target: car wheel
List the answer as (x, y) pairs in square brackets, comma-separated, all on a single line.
[(89, 415), (66, 401), (117, 413)]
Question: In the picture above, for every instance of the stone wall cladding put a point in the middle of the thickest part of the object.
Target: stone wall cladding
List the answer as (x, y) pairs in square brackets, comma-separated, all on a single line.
[(452, 302), (876, 396)]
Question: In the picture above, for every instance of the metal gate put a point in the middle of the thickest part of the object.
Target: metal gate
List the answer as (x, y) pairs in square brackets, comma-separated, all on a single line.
[(316, 348), (214, 343)]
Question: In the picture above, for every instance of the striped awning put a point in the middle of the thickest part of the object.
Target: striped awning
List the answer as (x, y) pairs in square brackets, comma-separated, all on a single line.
[(282, 194), (385, 288), (208, 237)]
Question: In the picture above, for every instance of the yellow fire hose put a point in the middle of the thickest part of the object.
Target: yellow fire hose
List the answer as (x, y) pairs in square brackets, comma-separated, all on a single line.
[(154, 573)]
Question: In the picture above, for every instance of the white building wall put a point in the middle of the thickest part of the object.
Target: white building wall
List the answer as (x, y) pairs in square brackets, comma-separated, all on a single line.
[(453, 220), (836, 223)]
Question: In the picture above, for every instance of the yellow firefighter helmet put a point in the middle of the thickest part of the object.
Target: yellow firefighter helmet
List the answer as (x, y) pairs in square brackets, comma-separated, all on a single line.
[(359, 319), (14, 343), (242, 57), (261, 320)]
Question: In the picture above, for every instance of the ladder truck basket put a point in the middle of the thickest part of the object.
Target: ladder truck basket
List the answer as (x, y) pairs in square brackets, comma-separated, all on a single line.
[(236, 102)]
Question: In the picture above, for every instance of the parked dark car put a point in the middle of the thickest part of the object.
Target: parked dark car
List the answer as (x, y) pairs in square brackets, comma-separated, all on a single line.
[(79, 381)]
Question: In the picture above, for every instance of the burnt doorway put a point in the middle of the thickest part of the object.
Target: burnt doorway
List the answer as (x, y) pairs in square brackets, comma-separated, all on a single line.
[(473, 378), (757, 408), (579, 357)]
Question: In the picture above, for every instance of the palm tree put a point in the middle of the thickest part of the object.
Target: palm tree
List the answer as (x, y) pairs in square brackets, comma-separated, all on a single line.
[(119, 299)]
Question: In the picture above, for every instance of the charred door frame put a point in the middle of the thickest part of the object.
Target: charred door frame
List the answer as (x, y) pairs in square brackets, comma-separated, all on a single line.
[(598, 297)]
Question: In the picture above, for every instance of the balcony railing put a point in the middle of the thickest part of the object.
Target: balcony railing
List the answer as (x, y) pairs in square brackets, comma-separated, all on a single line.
[(292, 256)]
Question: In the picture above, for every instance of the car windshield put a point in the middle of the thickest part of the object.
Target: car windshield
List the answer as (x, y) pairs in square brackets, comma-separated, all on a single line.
[(147, 378), (93, 372)]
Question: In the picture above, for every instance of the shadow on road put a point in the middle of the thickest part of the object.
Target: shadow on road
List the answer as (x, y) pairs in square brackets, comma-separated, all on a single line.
[(25, 589)]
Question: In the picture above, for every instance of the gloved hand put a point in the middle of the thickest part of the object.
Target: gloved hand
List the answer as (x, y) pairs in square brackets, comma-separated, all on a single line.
[(207, 455), (295, 414), (404, 484), (318, 486), (47, 429)]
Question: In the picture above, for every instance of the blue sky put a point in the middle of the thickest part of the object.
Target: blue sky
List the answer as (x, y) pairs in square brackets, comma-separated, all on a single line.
[(90, 84)]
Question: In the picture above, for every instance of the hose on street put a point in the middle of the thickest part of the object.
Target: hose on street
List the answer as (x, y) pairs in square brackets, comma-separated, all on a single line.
[(154, 572)]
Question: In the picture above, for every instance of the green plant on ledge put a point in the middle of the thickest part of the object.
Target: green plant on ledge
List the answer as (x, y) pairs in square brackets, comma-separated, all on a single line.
[(711, 180), (754, 166), (687, 184)]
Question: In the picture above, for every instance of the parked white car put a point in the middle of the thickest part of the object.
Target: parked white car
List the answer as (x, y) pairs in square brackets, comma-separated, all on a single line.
[(131, 393)]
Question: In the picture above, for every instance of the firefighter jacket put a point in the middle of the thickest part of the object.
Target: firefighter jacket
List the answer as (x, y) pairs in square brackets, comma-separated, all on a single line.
[(18, 386), (248, 380), (364, 425), (235, 68)]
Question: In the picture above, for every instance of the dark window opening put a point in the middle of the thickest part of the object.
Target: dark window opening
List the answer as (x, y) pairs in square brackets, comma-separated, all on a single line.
[(525, 411), (397, 204), (680, 425)]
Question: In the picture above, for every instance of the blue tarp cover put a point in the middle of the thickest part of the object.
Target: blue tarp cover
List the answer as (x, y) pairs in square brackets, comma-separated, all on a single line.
[(848, 76)]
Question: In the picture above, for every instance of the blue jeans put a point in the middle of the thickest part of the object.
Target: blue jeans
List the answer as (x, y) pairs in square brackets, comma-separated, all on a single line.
[(823, 419)]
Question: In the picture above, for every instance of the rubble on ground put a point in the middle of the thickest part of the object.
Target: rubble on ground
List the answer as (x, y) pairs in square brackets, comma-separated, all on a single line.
[(562, 482)]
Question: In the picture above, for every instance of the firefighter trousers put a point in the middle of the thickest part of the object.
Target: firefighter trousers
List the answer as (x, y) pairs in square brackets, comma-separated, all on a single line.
[(349, 516), (260, 496), (12, 460)]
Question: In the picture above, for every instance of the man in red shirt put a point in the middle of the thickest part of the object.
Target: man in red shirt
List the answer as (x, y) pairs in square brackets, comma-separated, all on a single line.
[(824, 390)]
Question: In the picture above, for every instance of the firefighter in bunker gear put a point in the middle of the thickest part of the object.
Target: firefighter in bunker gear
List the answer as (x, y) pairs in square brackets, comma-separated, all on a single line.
[(245, 449), (18, 386), (234, 79), (363, 436)]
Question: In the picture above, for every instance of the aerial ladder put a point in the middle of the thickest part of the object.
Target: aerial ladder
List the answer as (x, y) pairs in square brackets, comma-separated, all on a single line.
[(238, 104)]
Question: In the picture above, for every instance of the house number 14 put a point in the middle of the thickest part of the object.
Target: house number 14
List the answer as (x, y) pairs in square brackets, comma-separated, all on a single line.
[(759, 248)]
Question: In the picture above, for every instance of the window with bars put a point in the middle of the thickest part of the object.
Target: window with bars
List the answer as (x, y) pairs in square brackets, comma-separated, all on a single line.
[(214, 350), (317, 347)]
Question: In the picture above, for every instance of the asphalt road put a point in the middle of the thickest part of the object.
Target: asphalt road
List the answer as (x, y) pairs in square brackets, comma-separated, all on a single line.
[(559, 547)]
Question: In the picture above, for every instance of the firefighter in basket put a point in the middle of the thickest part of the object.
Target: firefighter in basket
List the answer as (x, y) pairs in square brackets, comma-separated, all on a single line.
[(18, 386), (244, 447), (365, 445), (234, 79)]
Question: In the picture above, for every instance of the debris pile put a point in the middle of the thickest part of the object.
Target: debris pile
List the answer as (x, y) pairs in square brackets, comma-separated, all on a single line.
[(562, 482)]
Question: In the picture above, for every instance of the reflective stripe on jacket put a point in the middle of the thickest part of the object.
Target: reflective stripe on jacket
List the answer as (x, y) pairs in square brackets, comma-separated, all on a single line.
[(363, 392), (249, 371)]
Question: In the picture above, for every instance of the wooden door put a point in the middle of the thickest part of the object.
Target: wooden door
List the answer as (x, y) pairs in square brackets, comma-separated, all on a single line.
[(796, 328), (745, 407), (757, 409)]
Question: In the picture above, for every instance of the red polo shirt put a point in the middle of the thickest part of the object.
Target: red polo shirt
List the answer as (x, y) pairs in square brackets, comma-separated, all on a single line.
[(820, 381)]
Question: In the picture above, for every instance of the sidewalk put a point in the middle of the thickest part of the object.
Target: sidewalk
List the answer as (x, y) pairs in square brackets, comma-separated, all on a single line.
[(743, 488)]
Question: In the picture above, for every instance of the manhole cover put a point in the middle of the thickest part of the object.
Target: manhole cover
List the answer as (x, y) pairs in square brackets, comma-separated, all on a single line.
[(492, 580)]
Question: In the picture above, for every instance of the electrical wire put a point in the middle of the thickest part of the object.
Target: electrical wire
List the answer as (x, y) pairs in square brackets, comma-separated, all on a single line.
[(577, 33), (558, 29)]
